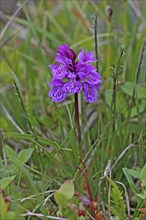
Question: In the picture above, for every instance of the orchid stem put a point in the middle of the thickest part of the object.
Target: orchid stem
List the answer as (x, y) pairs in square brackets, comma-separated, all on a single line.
[(78, 124)]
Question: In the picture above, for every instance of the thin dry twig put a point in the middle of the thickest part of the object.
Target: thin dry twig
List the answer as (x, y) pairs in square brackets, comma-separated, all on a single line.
[(7, 40), (12, 120), (19, 29), (33, 196), (41, 215), (117, 160)]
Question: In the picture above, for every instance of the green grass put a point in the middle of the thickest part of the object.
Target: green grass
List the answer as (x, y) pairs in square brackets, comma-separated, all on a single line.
[(39, 147)]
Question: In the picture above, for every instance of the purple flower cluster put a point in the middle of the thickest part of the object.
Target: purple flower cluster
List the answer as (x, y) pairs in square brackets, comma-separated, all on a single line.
[(72, 75)]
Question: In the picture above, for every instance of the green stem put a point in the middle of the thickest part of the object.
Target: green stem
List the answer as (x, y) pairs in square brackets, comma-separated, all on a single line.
[(96, 42), (78, 123)]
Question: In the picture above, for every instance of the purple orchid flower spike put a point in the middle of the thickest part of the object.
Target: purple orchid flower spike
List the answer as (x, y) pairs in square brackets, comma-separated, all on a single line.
[(72, 75)]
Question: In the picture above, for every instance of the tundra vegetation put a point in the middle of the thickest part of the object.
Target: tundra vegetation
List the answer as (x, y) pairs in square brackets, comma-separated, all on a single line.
[(79, 152)]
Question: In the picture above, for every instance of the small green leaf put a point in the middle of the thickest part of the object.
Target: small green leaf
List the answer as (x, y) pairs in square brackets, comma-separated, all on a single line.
[(25, 155), (6, 181), (60, 199), (143, 176), (108, 97), (67, 189), (134, 173), (59, 213), (134, 110), (11, 154), (128, 88), (141, 196), (133, 187), (141, 91)]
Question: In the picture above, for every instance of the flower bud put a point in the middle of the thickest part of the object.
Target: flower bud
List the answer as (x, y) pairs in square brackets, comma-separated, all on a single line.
[(86, 202), (94, 205), (109, 12), (81, 212)]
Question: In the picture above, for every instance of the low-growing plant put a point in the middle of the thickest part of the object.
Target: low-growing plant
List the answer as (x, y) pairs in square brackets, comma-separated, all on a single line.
[(79, 153)]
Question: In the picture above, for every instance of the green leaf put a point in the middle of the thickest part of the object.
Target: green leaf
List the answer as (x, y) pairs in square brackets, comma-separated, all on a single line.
[(108, 97), (25, 155), (134, 173), (128, 88), (141, 196), (117, 202), (143, 176), (67, 189), (131, 183), (141, 91), (6, 181), (65, 193), (60, 199), (11, 154), (134, 112)]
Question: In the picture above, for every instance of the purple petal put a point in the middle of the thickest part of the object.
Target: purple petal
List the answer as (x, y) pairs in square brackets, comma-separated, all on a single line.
[(73, 86), (81, 75), (63, 60), (56, 82), (71, 75), (94, 78), (81, 55), (59, 72), (90, 93), (62, 48), (53, 66), (57, 94), (89, 57), (85, 68), (86, 58)]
